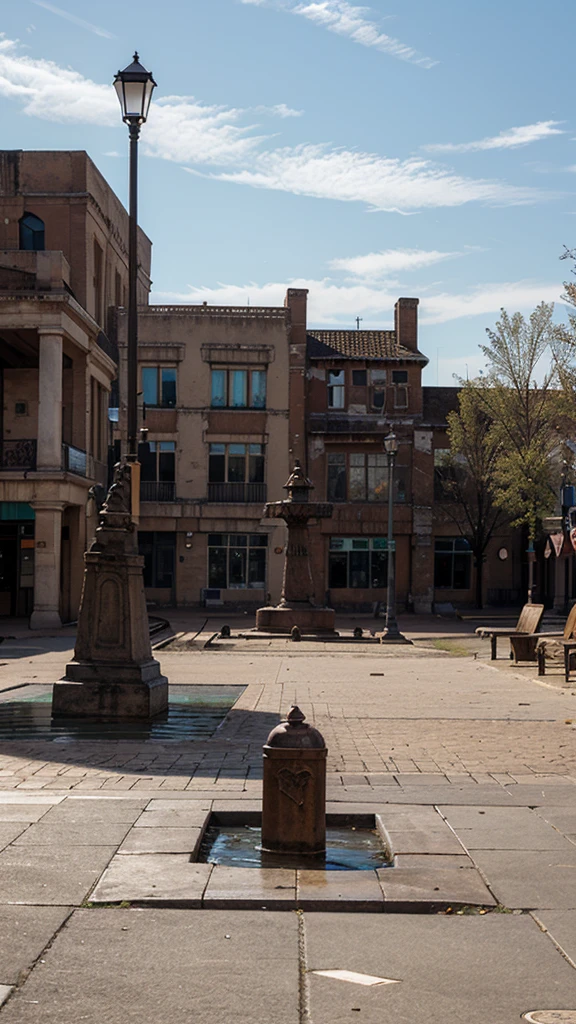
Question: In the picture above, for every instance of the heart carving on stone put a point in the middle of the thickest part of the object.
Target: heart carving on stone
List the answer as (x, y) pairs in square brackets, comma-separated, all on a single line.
[(293, 784)]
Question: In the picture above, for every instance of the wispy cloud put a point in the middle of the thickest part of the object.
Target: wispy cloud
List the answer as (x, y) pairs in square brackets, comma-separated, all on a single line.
[(376, 265), (75, 20), (390, 184), (512, 138), (351, 21), (216, 141), (277, 110), (334, 304)]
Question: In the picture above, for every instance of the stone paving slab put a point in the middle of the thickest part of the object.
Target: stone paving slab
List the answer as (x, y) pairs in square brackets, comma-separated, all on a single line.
[(336, 890), (23, 811), (415, 841), (182, 817), (409, 890), (162, 840), (24, 933), (9, 831), (242, 888), (51, 875), (153, 878), (109, 811), (463, 970), (160, 966), (71, 833), (531, 880), (563, 818), (512, 839), (431, 861), (5, 991), (561, 925)]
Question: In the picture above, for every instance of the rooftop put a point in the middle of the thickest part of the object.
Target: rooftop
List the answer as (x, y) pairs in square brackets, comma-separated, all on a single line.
[(358, 345)]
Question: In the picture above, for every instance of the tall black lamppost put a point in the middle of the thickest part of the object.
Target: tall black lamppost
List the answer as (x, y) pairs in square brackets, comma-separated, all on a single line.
[(391, 633), (134, 86)]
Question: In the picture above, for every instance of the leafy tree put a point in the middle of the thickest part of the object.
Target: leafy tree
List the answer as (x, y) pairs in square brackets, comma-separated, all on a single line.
[(525, 415), (468, 477)]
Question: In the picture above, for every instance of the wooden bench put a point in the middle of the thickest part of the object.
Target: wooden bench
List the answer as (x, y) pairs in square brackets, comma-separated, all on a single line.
[(564, 644), (528, 623)]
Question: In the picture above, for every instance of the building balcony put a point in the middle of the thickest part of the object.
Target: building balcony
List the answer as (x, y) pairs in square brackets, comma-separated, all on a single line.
[(346, 423), (157, 490), (18, 454), (234, 494)]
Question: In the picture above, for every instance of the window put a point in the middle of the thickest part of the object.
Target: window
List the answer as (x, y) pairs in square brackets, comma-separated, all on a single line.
[(158, 466), (336, 389), (237, 561), (359, 378), (238, 389), (378, 389), (31, 232), (357, 562), (159, 386), (452, 558), (159, 550), (361, 476), (336, 489), (399, 376), (98, 282), (236, 463)]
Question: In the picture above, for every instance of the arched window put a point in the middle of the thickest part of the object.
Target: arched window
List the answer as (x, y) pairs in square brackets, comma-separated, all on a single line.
[(31, 232)]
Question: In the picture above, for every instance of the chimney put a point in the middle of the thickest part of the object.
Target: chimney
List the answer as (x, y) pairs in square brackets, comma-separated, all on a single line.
[(406, 323)]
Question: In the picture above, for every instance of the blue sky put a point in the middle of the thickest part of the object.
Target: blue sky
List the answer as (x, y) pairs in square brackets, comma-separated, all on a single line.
[(364, 152)]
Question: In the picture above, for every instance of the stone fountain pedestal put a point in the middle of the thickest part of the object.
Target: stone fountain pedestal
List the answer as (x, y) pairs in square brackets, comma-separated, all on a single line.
[(113, 675), (297, 605)]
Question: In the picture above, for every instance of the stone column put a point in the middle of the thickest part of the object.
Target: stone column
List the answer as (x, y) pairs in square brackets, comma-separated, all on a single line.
[(49, 453), (48, 535)]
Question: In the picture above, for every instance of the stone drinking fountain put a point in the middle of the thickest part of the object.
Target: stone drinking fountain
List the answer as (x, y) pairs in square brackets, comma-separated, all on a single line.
[(297, 605)]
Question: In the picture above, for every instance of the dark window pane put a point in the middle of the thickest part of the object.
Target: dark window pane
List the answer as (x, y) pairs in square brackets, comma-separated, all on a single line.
[(257, 568), (379, 569), (399, 376), (258, 540), (168, 381), (238, 540), (217, 539), (442, 569), (31, 232), (166, 466), (461, 572), (164, 565), (359, 378), (378, 398), (217, 567), (337, 571), (236, 468), (237, 567), (150, 385), (216, 469), (147, 460), (256, 469), (218, 389), (336, 484), (359, 569)]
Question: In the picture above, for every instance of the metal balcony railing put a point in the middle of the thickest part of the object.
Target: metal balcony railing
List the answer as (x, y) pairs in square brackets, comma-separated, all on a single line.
[(18, 454), (74, 460), (157, 490), (237, 493)]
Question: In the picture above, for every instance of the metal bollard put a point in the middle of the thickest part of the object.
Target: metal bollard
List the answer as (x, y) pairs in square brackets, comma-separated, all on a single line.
[(294, 789)]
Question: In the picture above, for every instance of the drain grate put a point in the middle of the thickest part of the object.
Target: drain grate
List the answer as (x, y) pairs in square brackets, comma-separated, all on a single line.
[(193, 711)]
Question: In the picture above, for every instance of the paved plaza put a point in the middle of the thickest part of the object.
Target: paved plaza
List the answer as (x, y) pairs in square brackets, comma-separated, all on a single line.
[(469, 765)]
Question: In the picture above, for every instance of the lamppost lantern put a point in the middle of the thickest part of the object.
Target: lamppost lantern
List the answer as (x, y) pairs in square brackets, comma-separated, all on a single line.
[(134, 87), (391, 444)]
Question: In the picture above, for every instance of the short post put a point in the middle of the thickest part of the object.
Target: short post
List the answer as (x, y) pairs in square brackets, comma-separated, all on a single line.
[(294, 788)]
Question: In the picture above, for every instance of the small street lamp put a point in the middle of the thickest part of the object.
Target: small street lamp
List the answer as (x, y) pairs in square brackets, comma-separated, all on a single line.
[(134, 86), (391, 633)]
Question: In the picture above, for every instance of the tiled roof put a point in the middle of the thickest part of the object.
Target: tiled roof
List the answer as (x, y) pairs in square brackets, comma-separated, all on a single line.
[(357, 345)]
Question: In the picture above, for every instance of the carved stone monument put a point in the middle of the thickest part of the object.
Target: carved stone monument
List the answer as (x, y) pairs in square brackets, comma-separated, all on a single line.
[(297, 605), (294, 788), (113, 675)]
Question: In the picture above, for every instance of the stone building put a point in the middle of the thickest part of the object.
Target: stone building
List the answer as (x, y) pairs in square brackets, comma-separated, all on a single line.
[(214, 386), (359, 385), (63, 265)]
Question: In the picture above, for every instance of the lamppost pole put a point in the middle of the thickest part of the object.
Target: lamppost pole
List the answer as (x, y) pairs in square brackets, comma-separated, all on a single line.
[(391, 633), (132, 382), (134, 86)]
